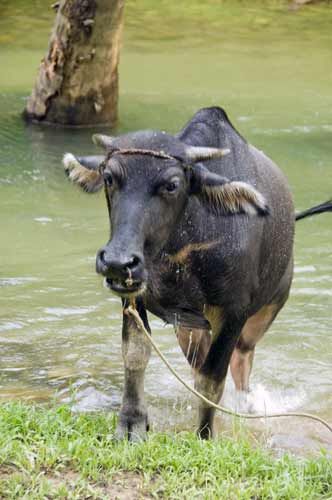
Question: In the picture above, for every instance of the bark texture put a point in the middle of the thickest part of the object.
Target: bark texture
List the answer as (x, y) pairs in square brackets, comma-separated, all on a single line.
[(77, 82)]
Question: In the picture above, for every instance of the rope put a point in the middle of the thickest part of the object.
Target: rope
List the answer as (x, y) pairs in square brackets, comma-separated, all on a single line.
[(133, 312), (146, 152)]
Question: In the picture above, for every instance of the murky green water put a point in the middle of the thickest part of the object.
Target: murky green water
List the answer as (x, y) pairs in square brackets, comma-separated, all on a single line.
[(59, 328)]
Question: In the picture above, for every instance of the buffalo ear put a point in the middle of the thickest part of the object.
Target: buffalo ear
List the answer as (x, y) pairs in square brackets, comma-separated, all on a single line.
[(226, 197), (84, 172)]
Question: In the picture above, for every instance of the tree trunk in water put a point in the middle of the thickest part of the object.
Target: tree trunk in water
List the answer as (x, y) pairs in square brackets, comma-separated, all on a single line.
[(77, 82)]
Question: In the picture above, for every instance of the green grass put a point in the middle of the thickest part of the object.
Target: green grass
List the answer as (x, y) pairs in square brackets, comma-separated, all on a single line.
[(54, 453)]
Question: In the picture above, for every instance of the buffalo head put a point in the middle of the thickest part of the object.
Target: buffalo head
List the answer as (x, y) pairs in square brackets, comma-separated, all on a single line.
[(148, 178)]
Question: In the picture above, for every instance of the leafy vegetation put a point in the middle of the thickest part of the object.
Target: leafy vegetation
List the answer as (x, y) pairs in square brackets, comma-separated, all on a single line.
[(54, 453)]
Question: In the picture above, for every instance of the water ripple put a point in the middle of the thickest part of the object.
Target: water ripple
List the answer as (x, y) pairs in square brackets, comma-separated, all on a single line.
[(62, 311), (18, 281)]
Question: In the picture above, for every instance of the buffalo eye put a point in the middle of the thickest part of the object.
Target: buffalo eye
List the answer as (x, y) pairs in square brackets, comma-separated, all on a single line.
[(171, 186), (108, 179)]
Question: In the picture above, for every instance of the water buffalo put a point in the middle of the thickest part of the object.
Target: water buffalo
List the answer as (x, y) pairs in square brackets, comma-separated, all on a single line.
[(202, 227)]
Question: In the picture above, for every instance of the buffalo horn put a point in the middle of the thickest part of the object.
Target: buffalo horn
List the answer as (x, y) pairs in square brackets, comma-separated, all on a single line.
[(105, 141), (195, 154), (90, 162)]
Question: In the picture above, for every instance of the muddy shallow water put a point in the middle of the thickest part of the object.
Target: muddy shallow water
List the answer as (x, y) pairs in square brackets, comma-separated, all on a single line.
[(59, 328)]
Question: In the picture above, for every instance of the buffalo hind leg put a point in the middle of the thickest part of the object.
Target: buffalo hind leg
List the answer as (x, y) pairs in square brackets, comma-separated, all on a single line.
[(254, 329), (133, 418), (241, 366), (243, 355), (211, 376)]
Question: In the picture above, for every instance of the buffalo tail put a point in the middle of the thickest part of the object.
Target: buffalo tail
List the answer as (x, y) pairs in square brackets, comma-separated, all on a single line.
[(318, 209)]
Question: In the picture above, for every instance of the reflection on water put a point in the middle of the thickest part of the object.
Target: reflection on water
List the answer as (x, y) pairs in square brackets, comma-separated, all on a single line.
[(59, 328)]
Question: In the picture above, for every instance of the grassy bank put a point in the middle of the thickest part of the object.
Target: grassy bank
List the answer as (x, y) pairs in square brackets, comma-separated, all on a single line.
[(52, 453)]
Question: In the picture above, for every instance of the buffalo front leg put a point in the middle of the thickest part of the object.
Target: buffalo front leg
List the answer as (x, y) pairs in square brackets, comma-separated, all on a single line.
[(210, 378), (133, 418), (195, 344)]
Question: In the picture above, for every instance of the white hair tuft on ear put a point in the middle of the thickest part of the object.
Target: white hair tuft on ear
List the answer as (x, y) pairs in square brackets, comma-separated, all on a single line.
[(234, 198), (69, 161), (90, 181)]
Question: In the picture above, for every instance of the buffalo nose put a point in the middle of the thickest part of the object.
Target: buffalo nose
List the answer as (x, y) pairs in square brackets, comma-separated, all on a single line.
[(118, 266)]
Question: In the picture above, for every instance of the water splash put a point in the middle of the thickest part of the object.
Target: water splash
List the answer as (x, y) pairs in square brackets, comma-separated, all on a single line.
[(260, 399)]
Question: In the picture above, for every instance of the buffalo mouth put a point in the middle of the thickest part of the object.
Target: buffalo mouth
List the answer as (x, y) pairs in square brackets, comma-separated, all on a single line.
[(125, 288)]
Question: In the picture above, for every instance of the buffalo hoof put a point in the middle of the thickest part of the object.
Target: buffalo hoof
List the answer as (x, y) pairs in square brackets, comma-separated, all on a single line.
[(132, 427), (205, 432)]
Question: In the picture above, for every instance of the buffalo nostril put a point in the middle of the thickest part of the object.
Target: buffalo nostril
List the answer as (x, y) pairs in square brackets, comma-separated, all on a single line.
[(134, 262), (101, 255), (100, 260), (101, 264)]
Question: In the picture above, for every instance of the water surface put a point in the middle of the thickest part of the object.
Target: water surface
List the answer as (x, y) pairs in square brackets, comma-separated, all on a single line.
[(59, 328)]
